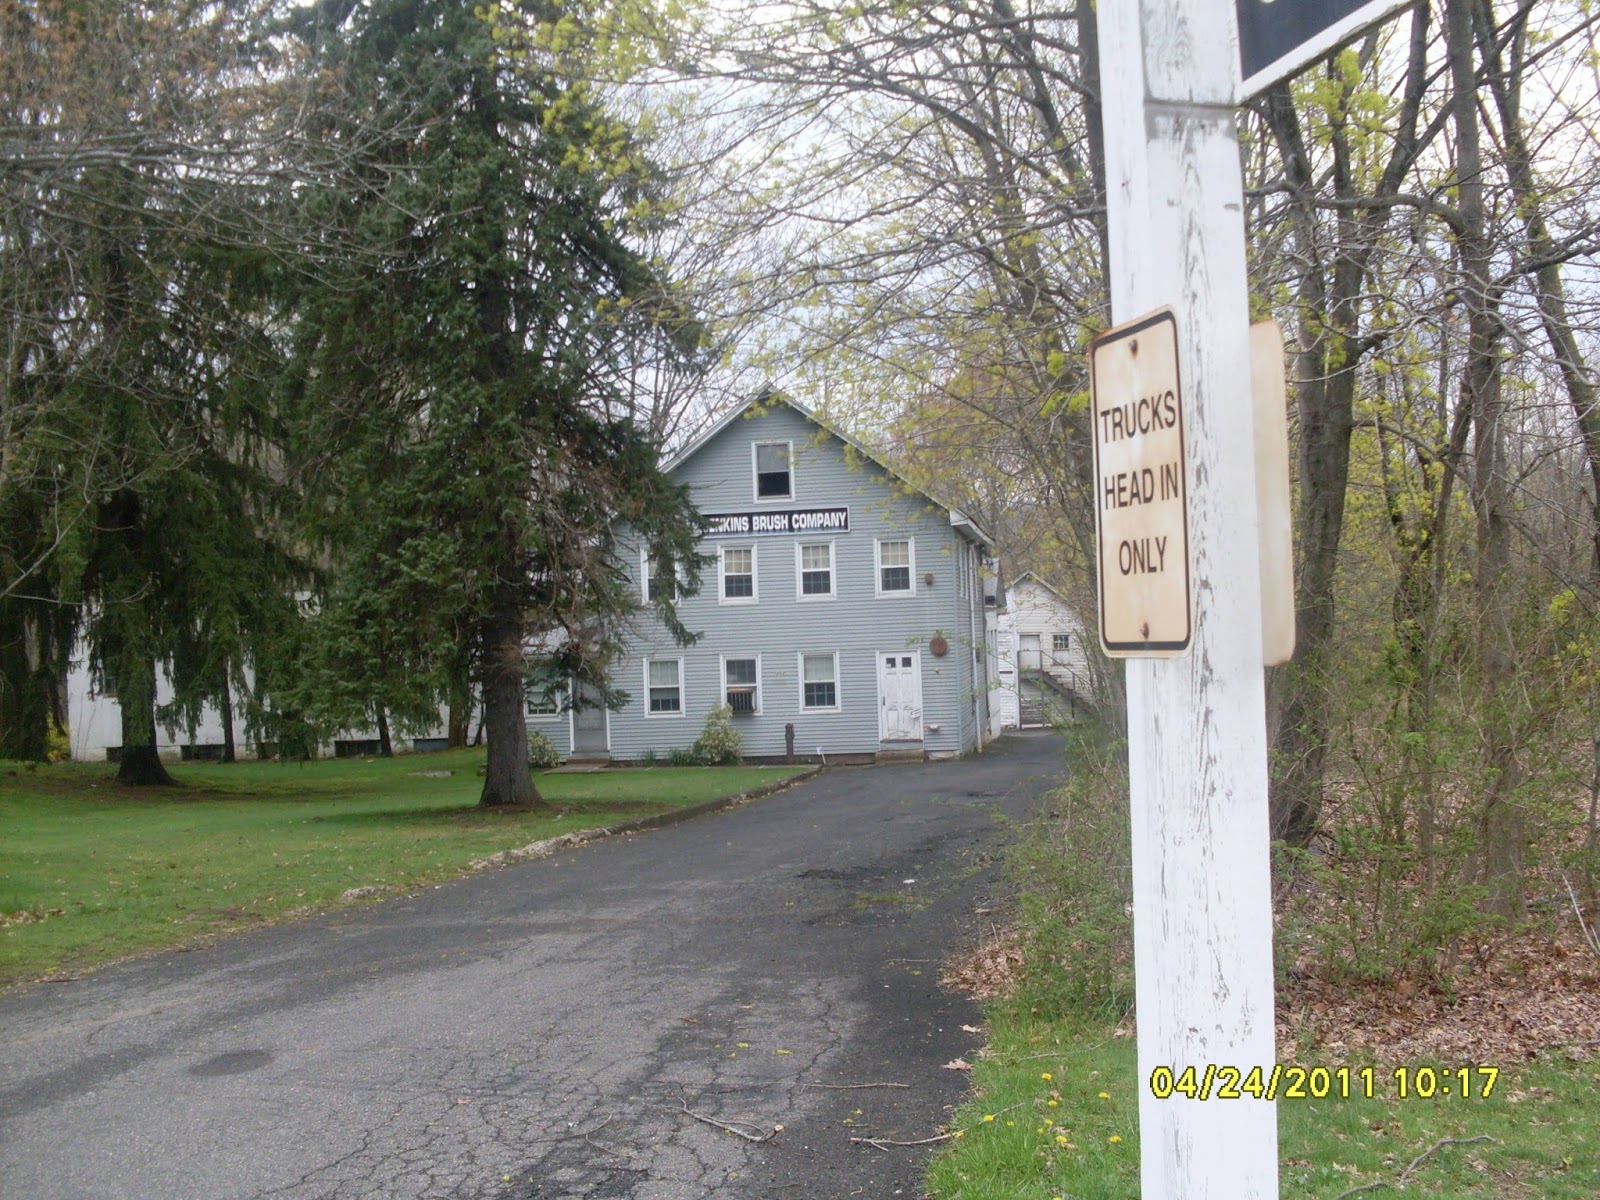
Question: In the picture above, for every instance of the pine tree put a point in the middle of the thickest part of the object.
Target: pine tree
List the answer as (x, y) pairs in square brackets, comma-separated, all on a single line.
[(477, 456)]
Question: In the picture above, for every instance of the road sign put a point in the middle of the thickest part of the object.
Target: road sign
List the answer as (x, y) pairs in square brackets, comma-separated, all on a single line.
[(1279, 38), (1141, 507)]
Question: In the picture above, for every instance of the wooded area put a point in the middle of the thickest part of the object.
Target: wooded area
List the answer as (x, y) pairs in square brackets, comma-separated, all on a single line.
[(342, 336)]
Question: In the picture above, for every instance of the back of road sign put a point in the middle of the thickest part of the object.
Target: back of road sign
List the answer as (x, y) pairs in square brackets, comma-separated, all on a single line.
[(1279, 38), (1140, 482)]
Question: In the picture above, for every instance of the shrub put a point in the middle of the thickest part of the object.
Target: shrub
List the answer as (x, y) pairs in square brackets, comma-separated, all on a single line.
[(719, 743), (542, 753), (679, 756)]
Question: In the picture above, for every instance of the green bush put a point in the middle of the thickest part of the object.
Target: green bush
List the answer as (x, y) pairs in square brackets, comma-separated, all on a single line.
[(719, 743), (680, 756), (542, 753)]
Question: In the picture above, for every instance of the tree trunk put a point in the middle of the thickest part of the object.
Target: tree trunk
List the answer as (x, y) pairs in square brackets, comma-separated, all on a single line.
[(507, 779), (1329, 302), (459, 720), (385, 746), (1500, 818), (1331, 294), (1506, 88), (229, 751), (25, 700), (140, 765)]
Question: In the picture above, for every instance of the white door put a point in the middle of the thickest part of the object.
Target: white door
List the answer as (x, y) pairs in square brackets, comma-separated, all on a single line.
[(590, 724), (1031, 653), (900, 696)]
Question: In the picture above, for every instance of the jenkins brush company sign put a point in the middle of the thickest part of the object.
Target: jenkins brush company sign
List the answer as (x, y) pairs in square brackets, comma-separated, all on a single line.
[(769, 521)]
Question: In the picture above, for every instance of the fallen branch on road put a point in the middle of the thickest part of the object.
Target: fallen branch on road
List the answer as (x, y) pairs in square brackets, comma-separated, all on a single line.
[(853, 1087), (749, 1137), (887, 1143), (580, 1133)]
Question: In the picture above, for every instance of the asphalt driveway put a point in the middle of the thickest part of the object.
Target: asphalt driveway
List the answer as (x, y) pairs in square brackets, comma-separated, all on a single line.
[(563, 1028)]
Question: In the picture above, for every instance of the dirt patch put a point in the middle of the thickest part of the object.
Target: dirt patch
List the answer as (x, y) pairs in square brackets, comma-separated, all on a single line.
[(1539, 993)]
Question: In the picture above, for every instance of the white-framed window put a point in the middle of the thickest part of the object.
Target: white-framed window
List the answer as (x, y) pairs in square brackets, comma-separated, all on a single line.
[(652, 578), (897, 565), (544, 704), (741, 683), (1059, 642), (813, 563), (736, 572), (774, 470), (542, 691), (819, 682), (663, 687)]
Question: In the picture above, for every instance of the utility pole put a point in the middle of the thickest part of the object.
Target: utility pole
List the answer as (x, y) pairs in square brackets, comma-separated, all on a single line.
[(1196, 723)]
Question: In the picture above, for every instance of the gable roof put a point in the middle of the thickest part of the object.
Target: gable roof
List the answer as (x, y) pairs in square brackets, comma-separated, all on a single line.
[(767, 397), (1031, 577)]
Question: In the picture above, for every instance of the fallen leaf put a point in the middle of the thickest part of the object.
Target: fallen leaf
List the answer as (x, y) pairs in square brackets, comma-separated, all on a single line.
[(958, 1064)]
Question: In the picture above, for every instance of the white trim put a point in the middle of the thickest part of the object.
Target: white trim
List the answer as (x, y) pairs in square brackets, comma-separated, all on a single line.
[(877, 568), (722, 574), (723, 694), (683, 691), (800, 593), (755, 471), (800, 671)]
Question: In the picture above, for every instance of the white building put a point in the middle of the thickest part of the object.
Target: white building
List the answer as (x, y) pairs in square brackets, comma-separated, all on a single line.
[(1041, 668)]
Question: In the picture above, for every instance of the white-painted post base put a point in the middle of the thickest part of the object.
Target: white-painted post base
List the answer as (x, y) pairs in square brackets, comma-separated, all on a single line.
[(1196, 726)]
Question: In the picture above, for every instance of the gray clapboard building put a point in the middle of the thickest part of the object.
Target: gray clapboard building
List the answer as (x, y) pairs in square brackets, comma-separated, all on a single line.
[(838, 599)]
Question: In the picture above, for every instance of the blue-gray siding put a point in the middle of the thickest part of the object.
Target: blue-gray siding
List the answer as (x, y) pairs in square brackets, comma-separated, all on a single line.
[(780, 626)]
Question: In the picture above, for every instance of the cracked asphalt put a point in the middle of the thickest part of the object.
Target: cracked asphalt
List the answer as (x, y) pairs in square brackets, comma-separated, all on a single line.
[(544, 1031)]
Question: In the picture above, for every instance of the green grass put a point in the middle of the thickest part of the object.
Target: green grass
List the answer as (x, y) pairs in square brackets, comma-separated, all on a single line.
[(1541, 1117), (90, 871)]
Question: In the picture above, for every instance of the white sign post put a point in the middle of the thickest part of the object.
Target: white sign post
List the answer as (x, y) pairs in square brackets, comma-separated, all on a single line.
[(1196, 724)]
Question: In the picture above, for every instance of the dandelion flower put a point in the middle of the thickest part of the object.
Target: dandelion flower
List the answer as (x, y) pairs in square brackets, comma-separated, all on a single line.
[(1053, 1103), (1115, 1138), (961, 1133), (1061, 1139), (1046, 1076), (988, 1116), (1105, 1095)]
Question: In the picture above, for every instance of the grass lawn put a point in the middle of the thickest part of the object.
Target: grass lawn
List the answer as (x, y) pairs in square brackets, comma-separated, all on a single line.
[(91, 871), (1056, 1114)]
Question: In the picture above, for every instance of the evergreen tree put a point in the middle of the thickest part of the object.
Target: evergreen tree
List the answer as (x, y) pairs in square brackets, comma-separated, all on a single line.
[(477, 457), (136, 415)]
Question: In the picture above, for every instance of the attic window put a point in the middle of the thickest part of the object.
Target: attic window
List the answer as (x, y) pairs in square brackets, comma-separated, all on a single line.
[(773, 478)]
